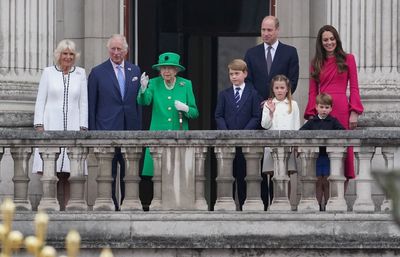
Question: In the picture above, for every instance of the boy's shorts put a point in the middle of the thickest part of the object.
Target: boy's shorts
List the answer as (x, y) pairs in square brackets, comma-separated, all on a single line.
[(323, 166)]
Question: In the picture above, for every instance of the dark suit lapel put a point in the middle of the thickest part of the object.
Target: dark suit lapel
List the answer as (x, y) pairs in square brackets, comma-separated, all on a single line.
[(277, 57), (128, 77), (114, 79), (261, 56), (243, 99), (231, 97)]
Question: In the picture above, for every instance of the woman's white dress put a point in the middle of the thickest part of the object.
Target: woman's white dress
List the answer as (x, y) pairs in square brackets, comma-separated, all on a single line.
[(61, 104)]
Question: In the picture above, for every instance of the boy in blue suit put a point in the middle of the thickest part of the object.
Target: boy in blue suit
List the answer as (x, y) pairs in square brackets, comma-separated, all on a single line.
[(238, 108)]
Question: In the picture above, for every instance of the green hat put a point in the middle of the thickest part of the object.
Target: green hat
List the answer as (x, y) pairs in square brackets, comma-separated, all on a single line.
[(168, 59)]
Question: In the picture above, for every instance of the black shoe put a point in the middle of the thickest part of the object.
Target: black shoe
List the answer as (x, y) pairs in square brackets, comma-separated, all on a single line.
[(146, 208)]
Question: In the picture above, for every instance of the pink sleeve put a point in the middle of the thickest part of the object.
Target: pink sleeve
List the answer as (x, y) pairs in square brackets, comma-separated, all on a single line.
[(355, 99), (312, 94)]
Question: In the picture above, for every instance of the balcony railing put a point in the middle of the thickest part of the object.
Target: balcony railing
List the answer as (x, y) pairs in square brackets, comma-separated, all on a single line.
[(179, 166)]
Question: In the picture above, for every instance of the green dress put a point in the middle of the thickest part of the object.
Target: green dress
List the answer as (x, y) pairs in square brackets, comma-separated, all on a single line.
[(165, 116)]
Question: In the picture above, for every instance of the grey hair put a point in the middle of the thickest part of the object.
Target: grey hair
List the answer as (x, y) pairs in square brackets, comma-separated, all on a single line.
[(120, 37), (62, 46)]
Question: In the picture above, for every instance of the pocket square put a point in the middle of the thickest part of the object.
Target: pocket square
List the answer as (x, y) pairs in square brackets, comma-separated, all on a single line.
[(134, 78)]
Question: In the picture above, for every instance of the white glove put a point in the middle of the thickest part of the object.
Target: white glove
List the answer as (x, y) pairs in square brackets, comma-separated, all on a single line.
[(181, 106), (144, 81)]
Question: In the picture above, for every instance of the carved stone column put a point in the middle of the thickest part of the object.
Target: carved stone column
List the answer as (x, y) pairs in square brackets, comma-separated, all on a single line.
[(388, 155), (336, 200), (132, 179), (308, 200), (280, 202), (49, 180), (253, 157), (364, 180), (104, 156), (200, 157), (225, 156), (77, 179), (157, 154), (178, 178), (370, 30), (27, 44), (21, 157)]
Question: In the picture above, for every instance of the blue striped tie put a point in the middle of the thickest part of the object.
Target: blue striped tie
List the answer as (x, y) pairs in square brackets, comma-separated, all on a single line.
[(237, 96), (121, 80)]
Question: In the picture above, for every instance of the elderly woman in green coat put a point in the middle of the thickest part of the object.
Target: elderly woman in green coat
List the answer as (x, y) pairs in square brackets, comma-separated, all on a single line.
[(171, 97)]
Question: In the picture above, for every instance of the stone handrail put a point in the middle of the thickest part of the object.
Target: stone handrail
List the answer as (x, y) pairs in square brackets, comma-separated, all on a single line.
[(179, 161)]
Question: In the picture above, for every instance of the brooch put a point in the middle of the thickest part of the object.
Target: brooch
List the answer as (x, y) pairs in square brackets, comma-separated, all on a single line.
[(129, 69), (134, 78)]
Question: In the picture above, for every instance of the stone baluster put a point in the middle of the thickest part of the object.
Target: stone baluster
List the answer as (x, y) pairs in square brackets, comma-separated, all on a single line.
[(157, 154), (21, 157), (280, 202), (364, 180), (104, 156), (253, 157), (388, 155), (178, 178), (132, 179), (49, 180), (200, 157), (336, 200), (225, 156), (308, 201), (77, 179)]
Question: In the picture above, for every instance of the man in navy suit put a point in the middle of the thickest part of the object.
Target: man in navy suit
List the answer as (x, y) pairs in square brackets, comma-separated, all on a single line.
[(284, 59), (112, 90), (266, 60), (238, 107)]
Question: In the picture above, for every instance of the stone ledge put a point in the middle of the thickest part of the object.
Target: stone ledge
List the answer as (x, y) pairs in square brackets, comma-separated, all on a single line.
[(209, 230)]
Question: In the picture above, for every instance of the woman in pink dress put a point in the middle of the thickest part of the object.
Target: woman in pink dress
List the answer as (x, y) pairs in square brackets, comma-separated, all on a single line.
[(332, 72)]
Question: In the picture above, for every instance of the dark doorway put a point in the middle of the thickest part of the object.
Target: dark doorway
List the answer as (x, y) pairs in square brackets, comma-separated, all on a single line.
[(192, 28)]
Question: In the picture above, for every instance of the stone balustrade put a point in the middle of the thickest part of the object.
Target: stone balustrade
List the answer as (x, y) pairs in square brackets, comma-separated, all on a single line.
[(180, 168)]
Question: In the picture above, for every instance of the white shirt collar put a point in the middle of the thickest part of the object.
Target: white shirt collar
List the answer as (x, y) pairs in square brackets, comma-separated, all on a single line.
[(277, 101), (274, 46), (241, 87), (115, 65)]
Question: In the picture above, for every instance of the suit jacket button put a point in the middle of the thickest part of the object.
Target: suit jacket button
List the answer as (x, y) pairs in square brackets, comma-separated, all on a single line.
[(169, 119), (169, 108), (169, 98)]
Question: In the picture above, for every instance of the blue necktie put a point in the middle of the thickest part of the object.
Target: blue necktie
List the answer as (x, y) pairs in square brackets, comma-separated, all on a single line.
[(121, 80), (237, 96)]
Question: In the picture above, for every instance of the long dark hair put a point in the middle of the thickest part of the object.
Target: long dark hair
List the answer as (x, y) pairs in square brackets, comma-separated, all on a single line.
[(321, 54)]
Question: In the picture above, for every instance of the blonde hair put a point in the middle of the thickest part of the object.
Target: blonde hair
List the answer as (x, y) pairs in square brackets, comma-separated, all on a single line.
[(120, 37), (238, 64), (62, 46), (288, 85)]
